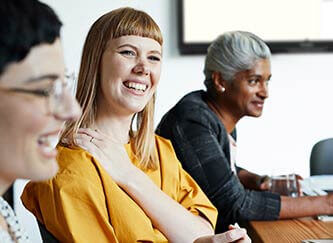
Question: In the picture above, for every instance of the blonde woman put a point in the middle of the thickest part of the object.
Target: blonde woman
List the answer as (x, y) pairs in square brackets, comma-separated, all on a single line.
[(118, 184)]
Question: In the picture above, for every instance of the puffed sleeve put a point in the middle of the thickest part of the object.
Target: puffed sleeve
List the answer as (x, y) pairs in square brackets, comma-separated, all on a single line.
[(71, 205), (179, 185), (193, 199)]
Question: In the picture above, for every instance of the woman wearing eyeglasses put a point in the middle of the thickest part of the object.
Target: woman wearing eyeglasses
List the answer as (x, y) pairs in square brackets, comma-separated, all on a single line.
[(34, 100), (120, 183)]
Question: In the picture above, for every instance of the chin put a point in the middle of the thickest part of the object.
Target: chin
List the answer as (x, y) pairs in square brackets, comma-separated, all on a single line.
[(44, 170), (136, 109), (255, 114)]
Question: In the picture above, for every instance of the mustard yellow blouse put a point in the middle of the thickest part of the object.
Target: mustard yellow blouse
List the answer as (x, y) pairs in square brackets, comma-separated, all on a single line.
[(83, 204)]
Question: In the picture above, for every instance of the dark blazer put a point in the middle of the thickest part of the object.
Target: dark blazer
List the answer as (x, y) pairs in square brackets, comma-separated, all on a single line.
[(202, 145)]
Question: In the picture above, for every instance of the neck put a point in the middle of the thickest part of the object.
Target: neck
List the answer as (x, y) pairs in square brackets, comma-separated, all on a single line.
[(115, 127), (227, 116)]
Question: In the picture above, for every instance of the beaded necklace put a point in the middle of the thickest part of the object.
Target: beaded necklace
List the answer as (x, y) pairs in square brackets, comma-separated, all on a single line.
[(15, 231)]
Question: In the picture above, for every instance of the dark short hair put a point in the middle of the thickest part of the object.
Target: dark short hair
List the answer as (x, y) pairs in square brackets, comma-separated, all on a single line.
[(23, 25)]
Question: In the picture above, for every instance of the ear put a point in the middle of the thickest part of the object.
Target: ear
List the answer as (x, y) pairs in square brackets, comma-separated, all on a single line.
[(218, 81)]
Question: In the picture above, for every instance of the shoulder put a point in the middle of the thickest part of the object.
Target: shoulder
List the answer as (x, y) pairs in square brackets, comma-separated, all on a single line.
[(164, 148), (192, 101), (78, 177), (75, 161), (193, 108), (163, 143), (166, 153), (76, 167)]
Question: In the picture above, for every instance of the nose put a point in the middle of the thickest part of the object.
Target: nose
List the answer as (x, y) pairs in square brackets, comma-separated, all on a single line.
[(263, 92), (141, 67), (70, 108)]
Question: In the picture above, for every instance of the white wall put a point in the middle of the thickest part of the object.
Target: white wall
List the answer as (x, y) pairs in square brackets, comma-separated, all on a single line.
[(297, 114)]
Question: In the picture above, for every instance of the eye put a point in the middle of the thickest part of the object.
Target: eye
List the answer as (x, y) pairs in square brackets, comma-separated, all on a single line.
[(127, 53), (46, 92), (154, 58), (253, 81)]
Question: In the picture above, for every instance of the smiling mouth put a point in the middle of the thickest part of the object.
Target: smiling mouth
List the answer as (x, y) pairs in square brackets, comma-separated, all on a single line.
[(136, 86), (258, 104), (47, 145)]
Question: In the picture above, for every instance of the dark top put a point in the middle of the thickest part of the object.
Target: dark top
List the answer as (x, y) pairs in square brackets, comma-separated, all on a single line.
[(202, 145)]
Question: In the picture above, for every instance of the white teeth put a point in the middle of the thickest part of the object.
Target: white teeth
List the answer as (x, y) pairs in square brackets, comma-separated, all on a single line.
[(137, 86), (49, 142), (47, 149), (53, 141)]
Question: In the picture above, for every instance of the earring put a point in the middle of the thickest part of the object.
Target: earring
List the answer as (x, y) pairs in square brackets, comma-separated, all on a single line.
[(222, 89)]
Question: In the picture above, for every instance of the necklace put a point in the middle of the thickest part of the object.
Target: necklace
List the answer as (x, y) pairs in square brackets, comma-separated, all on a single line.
[(15, 231)]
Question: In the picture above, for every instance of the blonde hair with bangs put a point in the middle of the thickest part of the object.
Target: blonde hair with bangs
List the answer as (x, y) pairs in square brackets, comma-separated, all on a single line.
[(117, 23)]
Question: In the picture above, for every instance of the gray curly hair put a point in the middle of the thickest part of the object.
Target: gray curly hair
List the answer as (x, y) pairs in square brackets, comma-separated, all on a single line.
[(233, 52)]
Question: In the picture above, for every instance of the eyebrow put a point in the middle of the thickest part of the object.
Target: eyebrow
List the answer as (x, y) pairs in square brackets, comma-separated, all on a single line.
[(259, 76), (134, 47), (156, 52), (46, 76)]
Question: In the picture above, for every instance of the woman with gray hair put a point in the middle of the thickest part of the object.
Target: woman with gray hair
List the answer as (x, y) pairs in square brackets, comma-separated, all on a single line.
[(202, 128)]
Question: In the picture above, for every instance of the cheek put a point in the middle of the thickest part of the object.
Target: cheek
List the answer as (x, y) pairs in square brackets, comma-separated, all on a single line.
[(21, 120), (156, 74), (20, 125)]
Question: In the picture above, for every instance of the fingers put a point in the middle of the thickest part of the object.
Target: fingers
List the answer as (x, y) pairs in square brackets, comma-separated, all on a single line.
[(96, 134), (246, 239), (83, 141), (235, 226), (264, 186), (87, 142), (91, 136), (92, 133), (231, 235)]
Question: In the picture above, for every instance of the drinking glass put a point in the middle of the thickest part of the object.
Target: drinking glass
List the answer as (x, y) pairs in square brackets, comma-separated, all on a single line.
[(285, 185)]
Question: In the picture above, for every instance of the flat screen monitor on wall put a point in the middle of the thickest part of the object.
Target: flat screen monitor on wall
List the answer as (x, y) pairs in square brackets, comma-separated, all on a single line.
[(286, 25)]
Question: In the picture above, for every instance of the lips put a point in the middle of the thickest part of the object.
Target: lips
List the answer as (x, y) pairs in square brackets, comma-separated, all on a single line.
[(259, 104), (47, 144)]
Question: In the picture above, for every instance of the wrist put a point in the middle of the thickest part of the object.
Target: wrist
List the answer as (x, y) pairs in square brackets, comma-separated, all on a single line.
[(329, 203)]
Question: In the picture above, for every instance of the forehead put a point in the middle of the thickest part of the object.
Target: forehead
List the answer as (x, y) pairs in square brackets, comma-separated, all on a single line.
[(42, 59), (136, 41), (261, 67)]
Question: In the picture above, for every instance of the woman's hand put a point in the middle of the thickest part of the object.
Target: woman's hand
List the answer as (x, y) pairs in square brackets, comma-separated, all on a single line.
[(245, 238), (264, 183), (234, 234), (112, 156)]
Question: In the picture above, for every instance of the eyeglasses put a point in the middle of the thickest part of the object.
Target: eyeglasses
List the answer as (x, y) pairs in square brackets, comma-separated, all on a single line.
[(55, 94)]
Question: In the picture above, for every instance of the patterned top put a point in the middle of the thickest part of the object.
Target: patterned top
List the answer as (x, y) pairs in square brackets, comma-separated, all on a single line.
[(15, 232)]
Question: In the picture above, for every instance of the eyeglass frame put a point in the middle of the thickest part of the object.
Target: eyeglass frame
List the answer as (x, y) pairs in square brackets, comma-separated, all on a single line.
[(66, 84)]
